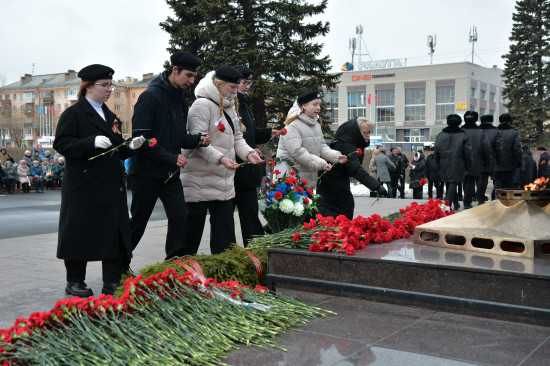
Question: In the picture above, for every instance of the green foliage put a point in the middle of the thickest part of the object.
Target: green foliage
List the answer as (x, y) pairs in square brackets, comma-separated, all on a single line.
[(272, 37), (527, 71), (232, 265)]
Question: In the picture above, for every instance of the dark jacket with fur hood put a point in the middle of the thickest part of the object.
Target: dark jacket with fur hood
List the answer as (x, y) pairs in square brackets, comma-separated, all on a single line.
[(480, 148), (453, 153), (510, 149), (495, 147)]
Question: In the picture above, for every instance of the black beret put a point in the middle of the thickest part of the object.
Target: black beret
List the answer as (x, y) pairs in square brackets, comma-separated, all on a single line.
[(487, 118), (96, 72), (542, 148), (308, 96), (505, 118), (228, 74), (247, 73), (454, 120), (186, 61), (471, 116)]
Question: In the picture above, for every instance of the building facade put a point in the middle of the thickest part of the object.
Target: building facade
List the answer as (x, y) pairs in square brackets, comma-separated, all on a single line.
[(31, 107), (410, 104)]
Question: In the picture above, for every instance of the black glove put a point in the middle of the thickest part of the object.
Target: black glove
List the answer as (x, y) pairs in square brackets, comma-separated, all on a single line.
[(382, 191)]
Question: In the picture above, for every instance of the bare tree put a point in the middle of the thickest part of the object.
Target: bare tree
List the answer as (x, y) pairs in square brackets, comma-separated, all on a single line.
[(3, 80)]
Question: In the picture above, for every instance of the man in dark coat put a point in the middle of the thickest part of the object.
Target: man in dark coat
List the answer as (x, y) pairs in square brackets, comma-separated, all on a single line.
[(416, 173), (481, 151), (543, 162), (394, 175), (334, 186), (495, 149), (510, 154), (249, 177), (454, 156), (404, 163), (161, 112), (93, 221), (527, 173), (433, 175)]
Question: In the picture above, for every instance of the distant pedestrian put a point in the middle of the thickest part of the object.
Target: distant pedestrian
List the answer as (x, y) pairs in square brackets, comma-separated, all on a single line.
[(433, 175), (11, 176), (384, 168), (544, 159), (495, 150), (453, 153), (394, 175), (511, 155), (403, 166), (416, 173), (481, 154), (527, 173)]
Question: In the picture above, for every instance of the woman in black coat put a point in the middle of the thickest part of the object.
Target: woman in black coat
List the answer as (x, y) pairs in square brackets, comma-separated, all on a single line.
[(93, 222), (334, 186), (416, 173)]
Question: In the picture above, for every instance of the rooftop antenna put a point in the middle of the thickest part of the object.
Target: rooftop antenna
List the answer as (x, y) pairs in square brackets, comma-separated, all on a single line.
[(473, 39), (359, 32), (431, 44), (32, 72), (352, 46)]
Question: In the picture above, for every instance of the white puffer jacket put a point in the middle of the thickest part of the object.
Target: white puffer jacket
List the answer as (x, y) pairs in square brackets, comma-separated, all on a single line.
[(204, 178), (305, 145)]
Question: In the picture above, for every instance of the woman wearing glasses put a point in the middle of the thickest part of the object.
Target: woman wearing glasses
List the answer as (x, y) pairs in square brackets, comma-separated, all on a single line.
[(93, 222)]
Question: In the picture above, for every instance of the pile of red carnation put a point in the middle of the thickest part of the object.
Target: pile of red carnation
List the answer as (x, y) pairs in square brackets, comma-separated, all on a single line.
[(343, 235)]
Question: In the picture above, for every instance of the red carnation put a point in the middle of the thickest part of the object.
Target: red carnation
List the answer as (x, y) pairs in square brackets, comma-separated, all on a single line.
[(271, 163), (296, 237), (277, 172), (359, 151), (306, 200), (422, 181), (221, 127), (305, 183), (152, 142), (282, 131), (278, 195)]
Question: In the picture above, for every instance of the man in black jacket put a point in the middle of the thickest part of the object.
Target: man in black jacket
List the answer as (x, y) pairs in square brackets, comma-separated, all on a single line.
[(543, 162), (433, 175), (510, 153), (481, 152), (404, 163), (453, 153), (249, 177), (161, 113), (495, 148)]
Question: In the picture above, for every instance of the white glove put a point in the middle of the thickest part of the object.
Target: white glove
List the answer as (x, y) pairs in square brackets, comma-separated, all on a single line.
[(136, 142), (102, 142)]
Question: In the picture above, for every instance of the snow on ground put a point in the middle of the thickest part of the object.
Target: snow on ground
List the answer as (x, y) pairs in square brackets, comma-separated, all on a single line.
[(359, 190)]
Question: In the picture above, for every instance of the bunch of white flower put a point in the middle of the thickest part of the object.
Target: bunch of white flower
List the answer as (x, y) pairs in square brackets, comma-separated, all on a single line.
[(298, 209), (287, 206)]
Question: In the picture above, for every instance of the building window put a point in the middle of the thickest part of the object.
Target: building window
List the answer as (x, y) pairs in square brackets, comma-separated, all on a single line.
[(117, 95), (385, 105), (72, 92), (66, 106), (492, 112), (66, 93), (473, 92), (133, 95), (415, 104), (58, 93), (118, 107), (331, 104), (356, 104), (15, 108), (482, 111), (132, 108), (1, 97), (444, 102), (7, 97), (23, 109), (483, 94), (27, 95), (58, 106), (472, 107), (492, 97), (28, 107), (15, 97)]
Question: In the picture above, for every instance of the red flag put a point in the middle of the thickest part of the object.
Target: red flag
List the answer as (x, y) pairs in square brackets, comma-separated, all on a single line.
[(375, 98), (369, 99)]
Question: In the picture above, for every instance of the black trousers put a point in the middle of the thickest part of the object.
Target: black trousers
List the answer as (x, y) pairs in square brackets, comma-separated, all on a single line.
[(222, 226), (452, 195), (144, 196), (76, 270), (246, 201), (482, 183), (394, 183), (402, 186), (417, 193), (504, 179), (438, 185), (469, 189)]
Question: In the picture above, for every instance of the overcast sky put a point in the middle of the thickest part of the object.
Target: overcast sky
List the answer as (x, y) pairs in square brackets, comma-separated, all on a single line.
[(58, 35)]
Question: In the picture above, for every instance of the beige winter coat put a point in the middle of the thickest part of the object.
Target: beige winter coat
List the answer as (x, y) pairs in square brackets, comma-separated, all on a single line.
[(204, 178), (305, 145)]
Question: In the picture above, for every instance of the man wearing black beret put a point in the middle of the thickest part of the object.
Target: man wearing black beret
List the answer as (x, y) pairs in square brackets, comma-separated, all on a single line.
[(511, 155), (249, 177), (161, 112), (495, 148), (481, 152)]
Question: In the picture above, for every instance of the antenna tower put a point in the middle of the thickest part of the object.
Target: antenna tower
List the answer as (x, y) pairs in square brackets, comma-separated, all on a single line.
[(431, 44), (360, 40), (473, 39)]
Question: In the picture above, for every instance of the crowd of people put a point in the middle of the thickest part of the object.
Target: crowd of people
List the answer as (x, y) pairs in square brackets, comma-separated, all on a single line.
[(36, 170), (204, 158)]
